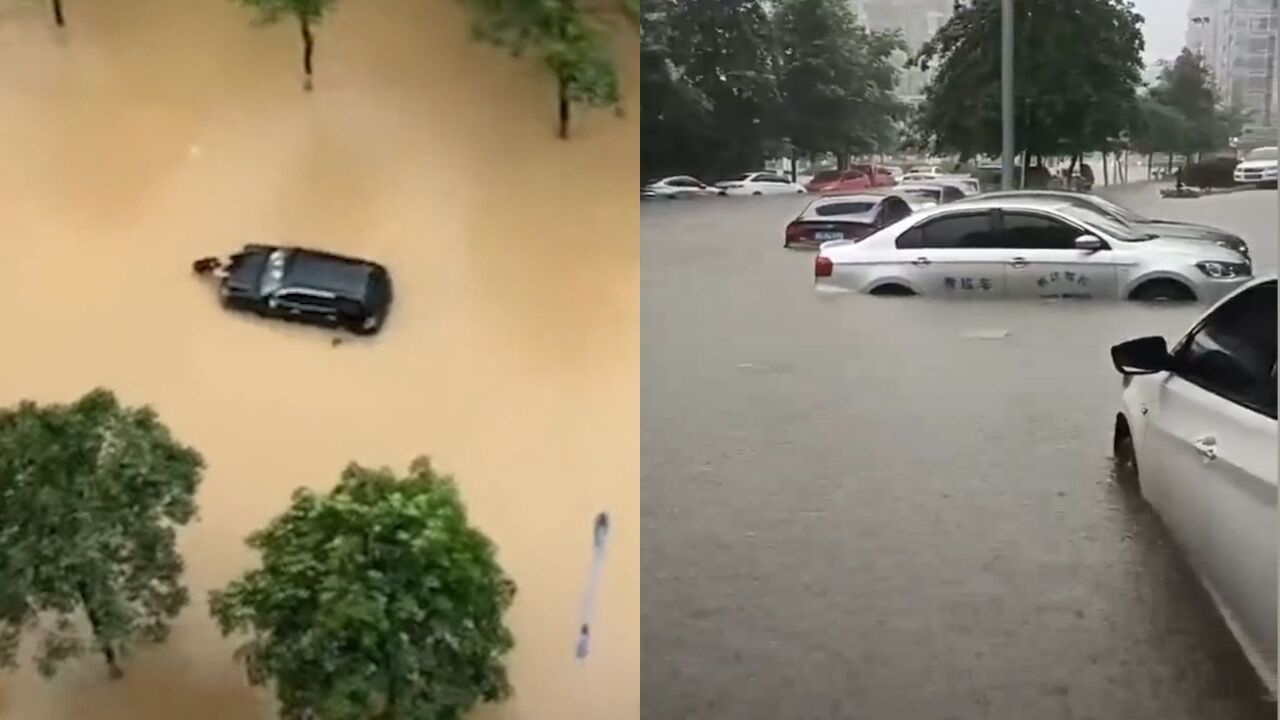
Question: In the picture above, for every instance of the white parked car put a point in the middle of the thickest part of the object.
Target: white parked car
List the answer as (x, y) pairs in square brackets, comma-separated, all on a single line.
[(968, 185), (678, 187), (1259, 166), (930, 194), (926, 170), (1196, 432), (1027, 248), (759, 183)]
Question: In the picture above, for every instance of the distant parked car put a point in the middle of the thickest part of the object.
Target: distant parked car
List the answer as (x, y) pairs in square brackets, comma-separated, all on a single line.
[(844, 217), (308, 286), (930, 170), (880, 175), (932, 193), (1259, 166), (1028, 248), (1196, 435), (679, 186), (838, 181), (759, 183)]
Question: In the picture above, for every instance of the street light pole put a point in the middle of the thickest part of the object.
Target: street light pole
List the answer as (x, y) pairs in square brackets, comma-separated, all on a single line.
[(1271, 63), (1006, 94)]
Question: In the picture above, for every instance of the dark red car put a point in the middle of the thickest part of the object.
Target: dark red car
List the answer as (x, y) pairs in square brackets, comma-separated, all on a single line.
[(878, 175), (829, 181), (844, 217)]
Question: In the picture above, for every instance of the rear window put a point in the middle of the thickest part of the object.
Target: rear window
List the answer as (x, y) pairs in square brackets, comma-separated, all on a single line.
[(924, 193), (843, 208)]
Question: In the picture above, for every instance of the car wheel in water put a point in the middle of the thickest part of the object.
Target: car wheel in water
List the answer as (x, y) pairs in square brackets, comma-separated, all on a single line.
[(1124, 460), (892, 290), (757, 193), (1163, 291)]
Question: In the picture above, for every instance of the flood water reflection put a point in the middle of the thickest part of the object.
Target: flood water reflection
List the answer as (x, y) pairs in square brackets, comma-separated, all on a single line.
[(150, 132)]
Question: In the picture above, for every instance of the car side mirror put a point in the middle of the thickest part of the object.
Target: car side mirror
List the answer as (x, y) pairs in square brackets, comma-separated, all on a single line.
[(1089, 243), (1143, 356)]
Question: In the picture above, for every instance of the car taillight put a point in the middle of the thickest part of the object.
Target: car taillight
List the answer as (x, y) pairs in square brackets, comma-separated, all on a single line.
[(823, 267), (794, 232)]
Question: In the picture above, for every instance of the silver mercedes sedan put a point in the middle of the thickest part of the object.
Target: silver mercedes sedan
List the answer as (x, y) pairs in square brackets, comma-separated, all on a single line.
[(1027, 247)]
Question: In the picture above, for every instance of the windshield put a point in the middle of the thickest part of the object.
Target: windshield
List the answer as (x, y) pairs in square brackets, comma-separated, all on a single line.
[(1263, 153), (273, 274), (1119, 211), (1117, 229), (843, 208), (922, 192)]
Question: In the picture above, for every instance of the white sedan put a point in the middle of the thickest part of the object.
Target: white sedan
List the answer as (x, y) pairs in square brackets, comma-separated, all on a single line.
[(679, 186), (1196, 433), (759, 183), (1259, 166), (1027, 248)]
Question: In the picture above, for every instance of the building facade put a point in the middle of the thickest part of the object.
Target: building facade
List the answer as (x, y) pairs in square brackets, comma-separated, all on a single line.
[(917, 20), (1238, 41)]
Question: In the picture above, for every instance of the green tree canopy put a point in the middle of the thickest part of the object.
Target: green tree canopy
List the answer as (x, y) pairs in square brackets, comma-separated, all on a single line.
[(570, 39), (835, 77), (724, 51), (1077, 68), (376, 601), (308, 13), (1186, 86), (676, 134), (91, 495)]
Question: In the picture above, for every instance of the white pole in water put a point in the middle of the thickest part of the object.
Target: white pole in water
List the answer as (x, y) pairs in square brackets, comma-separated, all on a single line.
[(1006, 94)]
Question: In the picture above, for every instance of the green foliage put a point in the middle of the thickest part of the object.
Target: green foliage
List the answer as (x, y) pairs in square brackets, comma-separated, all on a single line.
[(566, 38), (675, 118), (376, 600), (836, 79), (1077, 67), (90, 496), (269, 12), (1186, 87)]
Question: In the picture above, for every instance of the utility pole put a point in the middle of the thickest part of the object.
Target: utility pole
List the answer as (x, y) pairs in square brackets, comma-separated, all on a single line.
[(1272, 30), (1006, 94)]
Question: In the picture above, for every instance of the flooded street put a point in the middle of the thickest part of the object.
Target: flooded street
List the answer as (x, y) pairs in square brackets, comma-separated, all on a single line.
[(852, 510), (149, 133)]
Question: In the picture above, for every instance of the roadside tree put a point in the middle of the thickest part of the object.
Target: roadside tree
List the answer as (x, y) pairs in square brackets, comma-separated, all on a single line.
[(375, 601), (1078, 67), (91, 496), (572, 40), (835, 78), (308, 13)]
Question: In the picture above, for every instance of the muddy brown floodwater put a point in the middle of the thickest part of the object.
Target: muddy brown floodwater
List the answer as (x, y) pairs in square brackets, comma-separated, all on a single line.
[(151, 132)]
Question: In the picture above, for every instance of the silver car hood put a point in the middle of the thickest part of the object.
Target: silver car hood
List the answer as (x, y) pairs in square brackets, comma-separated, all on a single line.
[(1257, 164), (1186, 246)]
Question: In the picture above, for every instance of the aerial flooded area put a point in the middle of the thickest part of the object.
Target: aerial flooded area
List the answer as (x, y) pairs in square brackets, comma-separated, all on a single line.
[(148, 133)]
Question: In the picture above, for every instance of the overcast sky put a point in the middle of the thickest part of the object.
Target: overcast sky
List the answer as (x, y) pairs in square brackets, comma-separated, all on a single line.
[(1165, 27)]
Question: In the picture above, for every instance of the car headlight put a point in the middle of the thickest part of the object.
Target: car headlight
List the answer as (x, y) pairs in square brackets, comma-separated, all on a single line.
[(1234, 245), (1269, 171), (1224, 270)]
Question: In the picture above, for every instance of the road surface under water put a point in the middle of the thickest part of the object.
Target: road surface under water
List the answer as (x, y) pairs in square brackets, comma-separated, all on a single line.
[(148, 133), (853, 509)]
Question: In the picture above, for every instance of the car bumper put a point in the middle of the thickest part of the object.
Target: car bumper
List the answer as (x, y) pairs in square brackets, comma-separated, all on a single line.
[(1212, 290), (1255, 176)]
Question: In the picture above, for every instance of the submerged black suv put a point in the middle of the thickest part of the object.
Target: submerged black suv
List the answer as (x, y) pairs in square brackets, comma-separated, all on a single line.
[(308, 286)]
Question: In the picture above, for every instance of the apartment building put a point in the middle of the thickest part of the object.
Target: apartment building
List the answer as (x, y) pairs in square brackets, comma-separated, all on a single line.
[(918, 20), (1238, 41)]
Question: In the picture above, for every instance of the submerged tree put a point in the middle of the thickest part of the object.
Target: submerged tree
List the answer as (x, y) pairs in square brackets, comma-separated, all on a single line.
[(570, 40), (375, 601), (309, 13), (91, 495)]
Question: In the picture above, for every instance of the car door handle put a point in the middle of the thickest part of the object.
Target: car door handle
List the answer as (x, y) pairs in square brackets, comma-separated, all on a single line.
[(1206, 446), (922, 262), (1019, 262)]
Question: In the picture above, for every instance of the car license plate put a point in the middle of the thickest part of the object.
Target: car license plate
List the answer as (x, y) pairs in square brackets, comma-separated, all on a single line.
[(822, 236)]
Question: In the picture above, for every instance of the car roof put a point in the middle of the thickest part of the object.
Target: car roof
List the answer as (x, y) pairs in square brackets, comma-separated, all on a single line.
[(338, 274)]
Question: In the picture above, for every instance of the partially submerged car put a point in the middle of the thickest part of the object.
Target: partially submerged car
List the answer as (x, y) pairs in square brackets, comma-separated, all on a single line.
[(1260, 165), (844, 217), (1196, 435), (1001, 247), (677, 187), (307, 286)]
